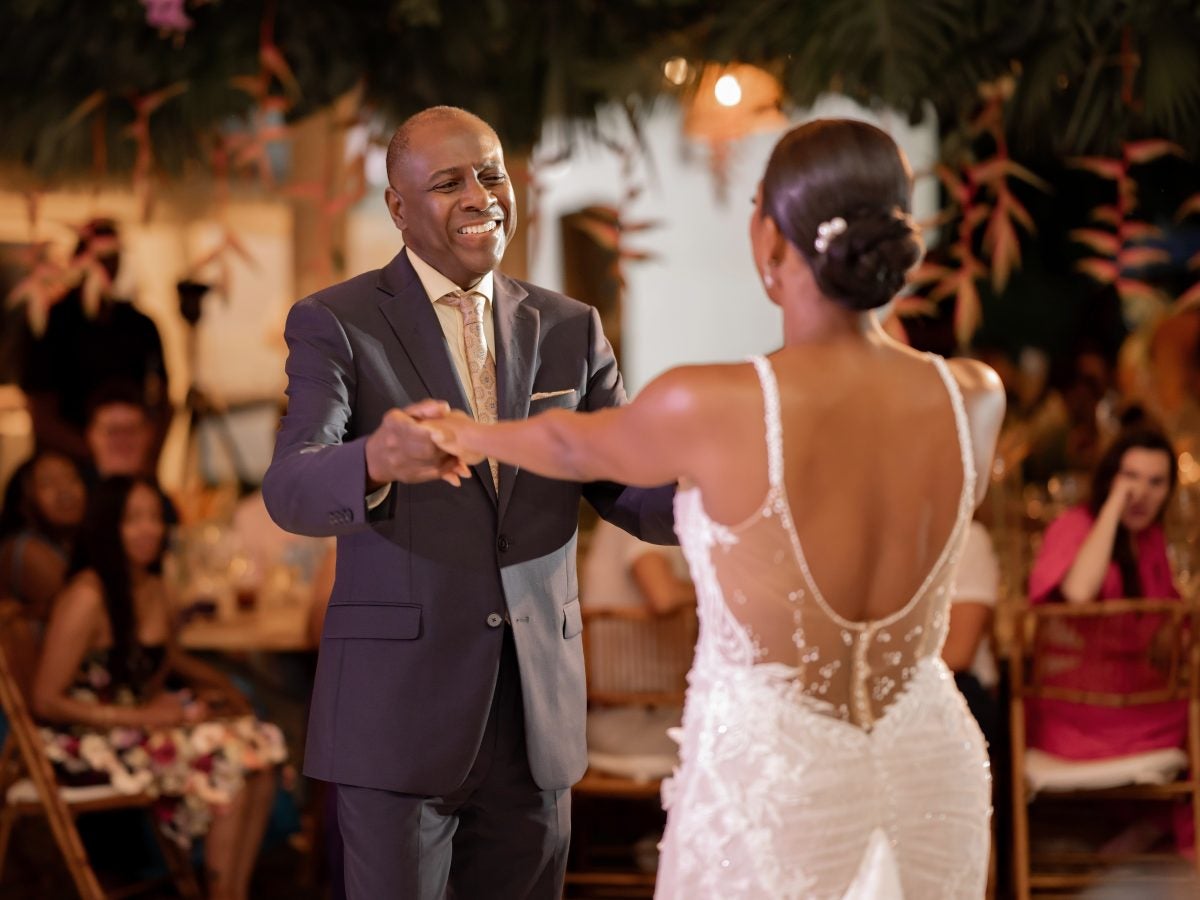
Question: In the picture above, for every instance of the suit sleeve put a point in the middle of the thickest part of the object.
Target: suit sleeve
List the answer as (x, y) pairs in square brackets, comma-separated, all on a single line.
[(316, 483), (645, 513)]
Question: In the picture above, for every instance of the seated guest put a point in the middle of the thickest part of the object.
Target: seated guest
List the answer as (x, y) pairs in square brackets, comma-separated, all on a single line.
[(43, 508), (119, 432), (266, 547), (1112, 548), (968, 648), (127, 707), (121, 437), (622, 572)]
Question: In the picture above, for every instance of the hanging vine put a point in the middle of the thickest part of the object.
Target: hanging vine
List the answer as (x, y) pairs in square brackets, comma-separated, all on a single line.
[(1117, 238), (980, 196)]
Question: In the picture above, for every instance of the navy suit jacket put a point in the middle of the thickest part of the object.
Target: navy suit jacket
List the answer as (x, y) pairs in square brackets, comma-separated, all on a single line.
[(410, 651)]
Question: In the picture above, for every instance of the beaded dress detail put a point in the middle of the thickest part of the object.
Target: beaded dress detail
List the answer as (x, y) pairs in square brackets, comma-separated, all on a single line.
[(820, 757)]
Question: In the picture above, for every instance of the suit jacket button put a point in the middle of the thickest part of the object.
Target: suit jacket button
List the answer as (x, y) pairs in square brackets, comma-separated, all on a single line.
[(502, 544), (495, 620)]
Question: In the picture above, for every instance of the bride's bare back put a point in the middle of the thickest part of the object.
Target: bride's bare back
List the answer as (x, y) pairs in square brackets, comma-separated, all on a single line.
[(839, 566)]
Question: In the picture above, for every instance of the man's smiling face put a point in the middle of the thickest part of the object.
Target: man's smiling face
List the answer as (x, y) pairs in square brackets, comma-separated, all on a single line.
[(451, 197)]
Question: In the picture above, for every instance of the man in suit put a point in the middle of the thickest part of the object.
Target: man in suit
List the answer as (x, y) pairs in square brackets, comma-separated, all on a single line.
[(449, 699)]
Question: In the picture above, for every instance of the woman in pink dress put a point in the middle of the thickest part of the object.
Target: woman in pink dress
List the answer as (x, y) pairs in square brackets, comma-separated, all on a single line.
[(1112, 548)]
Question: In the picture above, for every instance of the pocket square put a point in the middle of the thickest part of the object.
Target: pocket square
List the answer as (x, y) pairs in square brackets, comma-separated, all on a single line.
[(545, 395)]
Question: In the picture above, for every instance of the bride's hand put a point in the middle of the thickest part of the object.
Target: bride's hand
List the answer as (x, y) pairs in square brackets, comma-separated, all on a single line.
[(451, 434)]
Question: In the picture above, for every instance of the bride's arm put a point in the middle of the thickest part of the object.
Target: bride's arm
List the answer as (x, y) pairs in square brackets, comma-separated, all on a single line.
[(653, 440)]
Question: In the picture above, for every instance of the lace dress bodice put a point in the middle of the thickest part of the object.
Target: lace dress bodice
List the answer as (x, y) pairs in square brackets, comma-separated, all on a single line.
[(759, 604), (806, 735)]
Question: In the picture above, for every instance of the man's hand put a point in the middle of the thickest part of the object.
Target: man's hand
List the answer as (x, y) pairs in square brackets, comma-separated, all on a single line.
[(401, 449)]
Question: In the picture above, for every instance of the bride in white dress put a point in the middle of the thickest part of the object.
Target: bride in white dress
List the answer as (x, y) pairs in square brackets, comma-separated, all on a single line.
[(824, 495)]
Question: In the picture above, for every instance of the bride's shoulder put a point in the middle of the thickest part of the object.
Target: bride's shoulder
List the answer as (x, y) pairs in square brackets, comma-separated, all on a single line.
[(694, 387), (974, 375), (982, 389), (705, 378)]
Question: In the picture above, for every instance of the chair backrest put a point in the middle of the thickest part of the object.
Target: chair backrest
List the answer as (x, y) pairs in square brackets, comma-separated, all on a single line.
[(635, 656), (1110, 653)]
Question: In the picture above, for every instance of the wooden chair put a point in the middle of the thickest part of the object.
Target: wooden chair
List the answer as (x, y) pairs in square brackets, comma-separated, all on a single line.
[(1048, 641), (27, 783), (633, 659)]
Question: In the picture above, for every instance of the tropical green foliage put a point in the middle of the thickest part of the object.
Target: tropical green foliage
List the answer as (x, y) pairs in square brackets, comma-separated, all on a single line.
[(1097, 73), (1090, 74)]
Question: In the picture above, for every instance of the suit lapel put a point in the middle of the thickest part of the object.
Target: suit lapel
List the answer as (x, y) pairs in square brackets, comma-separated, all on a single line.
[(517, 326), (415, 324)]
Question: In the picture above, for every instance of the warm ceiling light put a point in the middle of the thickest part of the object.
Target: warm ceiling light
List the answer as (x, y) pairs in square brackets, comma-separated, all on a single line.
[(675, 70), (732, 100), (728, 90)]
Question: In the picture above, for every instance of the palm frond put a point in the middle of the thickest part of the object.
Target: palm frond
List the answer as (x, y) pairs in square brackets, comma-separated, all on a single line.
[(1170, 80)]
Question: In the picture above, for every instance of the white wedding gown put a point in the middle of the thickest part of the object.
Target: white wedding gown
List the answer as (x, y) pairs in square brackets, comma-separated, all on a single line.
[(819, 757)]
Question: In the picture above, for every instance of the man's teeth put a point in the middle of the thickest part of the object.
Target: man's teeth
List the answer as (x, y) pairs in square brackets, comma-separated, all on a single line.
[(478, 229)]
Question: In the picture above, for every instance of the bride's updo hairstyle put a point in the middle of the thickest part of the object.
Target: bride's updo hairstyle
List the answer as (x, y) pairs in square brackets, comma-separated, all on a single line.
[(841, 190)]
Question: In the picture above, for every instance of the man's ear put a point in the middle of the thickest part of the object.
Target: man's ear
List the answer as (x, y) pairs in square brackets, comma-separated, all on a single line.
[(395, 205)]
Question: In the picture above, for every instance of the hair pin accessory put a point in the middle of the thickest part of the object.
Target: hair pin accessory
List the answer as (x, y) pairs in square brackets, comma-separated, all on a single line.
[(827, 231)]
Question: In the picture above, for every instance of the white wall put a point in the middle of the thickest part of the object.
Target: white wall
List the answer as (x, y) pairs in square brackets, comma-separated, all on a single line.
[(699, 299)]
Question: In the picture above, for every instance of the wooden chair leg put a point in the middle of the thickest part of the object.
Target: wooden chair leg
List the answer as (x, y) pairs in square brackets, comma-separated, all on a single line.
[(1020, 848), (8, 819), (1193, 748), (66, 835), (1195, 801), (8, 757), (179, 864)]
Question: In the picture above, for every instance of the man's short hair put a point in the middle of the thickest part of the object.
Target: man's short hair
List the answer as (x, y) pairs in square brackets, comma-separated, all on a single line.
[(401, 138), (115, 392)]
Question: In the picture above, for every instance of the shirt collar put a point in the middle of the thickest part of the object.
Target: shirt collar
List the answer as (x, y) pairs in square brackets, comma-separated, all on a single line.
[(438, 285)]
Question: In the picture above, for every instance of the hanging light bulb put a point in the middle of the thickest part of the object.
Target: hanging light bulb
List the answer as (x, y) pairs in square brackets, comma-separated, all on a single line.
[(732, 100), (728, 90)]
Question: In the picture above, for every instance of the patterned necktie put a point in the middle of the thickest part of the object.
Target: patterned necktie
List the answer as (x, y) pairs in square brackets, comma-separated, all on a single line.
[(481, 367)]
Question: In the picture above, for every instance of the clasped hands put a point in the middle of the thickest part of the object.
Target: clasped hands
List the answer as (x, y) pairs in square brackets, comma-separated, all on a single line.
[(421, 442)]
